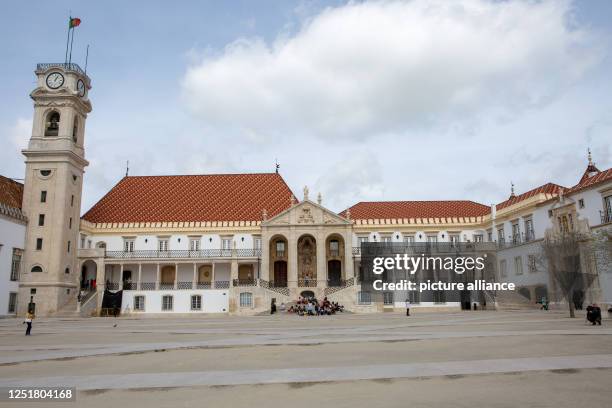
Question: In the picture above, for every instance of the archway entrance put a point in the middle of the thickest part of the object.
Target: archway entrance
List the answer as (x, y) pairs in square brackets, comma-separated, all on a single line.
[(167, 275), (89, 272), (334, 272), (307, 294), (280, 274)]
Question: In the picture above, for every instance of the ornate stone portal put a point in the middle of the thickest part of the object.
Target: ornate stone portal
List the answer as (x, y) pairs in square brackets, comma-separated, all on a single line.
[(307, 260)]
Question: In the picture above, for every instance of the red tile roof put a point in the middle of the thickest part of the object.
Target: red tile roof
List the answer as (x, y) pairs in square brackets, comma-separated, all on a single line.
[(416, 209), (548, 188), (11, 192), (215, 197), (587, 181)]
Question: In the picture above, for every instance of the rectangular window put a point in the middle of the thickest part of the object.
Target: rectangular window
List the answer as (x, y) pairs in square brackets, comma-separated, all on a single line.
[(408, 239), (503, 272), (607, 215), (139, 303), (163, 245), (39, 243), (194, 244), (12, 306), (68, 246), (432, 239), (41, 220), (70, 223), (72, 200), (258, 243), (388, 298), (226, 244), (16, 263), (581, 203), (386, 239), (364, 298), (246, 299), (500, 235), (82, 241), (167, 302), (414, 297), (128, 245), (196, 302), (280, 249), (516, 232), (529, 234), (490, 235), (518, 265), (89, 243), (43, 196), (531, 264), (455, 238), (478, 238), (361, 240)]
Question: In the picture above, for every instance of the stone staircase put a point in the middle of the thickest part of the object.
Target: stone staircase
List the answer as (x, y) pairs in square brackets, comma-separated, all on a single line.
[(510, 300)]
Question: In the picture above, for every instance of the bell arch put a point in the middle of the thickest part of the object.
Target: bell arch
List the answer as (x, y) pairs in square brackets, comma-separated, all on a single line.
[(307, 260), (335, 263)]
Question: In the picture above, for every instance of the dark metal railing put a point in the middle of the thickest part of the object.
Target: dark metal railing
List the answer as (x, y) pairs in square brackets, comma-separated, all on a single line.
[(184, 285), (307, 283), (203, 253), (222, 284), (112, 286), (606, 216), (244, 282), (147, 285), (166, 286), (129, 286), (66, 66)]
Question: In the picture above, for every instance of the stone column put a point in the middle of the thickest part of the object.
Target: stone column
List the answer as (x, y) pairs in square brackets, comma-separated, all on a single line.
[(321, 260), (349, 264), (121, 278), (292, 260), (100, 281), (212, 276), (194, 282), (233, 270), (264, 266), (138, 285), (175, 275), (157, 277)]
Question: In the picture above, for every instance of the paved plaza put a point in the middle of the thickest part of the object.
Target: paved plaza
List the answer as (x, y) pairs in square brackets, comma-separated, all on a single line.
[(492, 359)]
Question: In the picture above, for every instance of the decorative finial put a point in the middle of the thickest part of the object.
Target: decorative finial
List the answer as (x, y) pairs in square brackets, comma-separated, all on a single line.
[(127, 168), (305, 193), (264, 214), (293, 200), (512, 190), (348, 214), (276, 165), (590, 157), (319, 198)]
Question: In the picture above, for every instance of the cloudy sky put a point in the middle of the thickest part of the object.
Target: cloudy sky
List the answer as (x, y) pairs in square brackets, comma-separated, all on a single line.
[(394, 100)]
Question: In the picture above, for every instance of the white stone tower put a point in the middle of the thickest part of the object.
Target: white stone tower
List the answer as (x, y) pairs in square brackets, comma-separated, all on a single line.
[(55, 162)]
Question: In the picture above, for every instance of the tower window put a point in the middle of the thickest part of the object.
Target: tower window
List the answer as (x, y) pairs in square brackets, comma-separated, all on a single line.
[(68, 246), (52, 124), (72, 200), (39, 243), (75, 129), (45, 173), (36, 269), (43, 196), (70, 223), (41, 220), (67, 271)]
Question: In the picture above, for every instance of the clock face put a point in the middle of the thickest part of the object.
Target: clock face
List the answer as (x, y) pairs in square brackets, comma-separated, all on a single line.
[(81, 88), (55, 80)]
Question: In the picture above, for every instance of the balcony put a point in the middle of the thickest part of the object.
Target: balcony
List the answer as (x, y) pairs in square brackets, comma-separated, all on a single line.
[(185, 254)]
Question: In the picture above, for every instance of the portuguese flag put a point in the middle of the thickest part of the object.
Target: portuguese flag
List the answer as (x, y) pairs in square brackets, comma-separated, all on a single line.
[(74, 22)]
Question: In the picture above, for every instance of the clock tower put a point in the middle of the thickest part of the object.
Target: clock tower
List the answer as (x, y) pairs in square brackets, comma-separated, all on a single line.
[(55, 162)]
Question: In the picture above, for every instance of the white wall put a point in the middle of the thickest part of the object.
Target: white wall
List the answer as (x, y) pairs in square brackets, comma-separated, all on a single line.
[(12, 235), (213, 301)]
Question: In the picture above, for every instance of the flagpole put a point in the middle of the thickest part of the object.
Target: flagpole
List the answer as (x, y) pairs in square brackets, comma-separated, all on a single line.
[(71, 41), (67, 41), (86, 58)]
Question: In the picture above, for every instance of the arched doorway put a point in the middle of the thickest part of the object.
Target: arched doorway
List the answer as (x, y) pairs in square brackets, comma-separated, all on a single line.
[(541, 293), (89, 274), (168, 273), (307, 294), (307, 261), (334, 252), (278, 261)]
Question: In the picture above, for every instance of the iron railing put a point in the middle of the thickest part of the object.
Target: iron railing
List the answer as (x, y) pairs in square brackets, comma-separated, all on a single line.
[(203, 253), (184, 285), (276, 287), (244, 282), (147, 285), (166, 286), (307, 283), (67, 66), (112, 286), (222, 284), (203, 285)]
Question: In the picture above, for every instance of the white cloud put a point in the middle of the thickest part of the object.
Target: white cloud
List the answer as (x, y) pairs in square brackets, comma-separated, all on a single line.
[(376, 68)]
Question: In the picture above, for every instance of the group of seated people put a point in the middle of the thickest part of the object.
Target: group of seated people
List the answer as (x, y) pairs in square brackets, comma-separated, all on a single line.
[(311, 307)]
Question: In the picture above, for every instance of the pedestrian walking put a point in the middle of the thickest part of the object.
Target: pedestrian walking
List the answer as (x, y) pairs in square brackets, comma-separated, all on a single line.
[(28, 321), (407, 307)]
